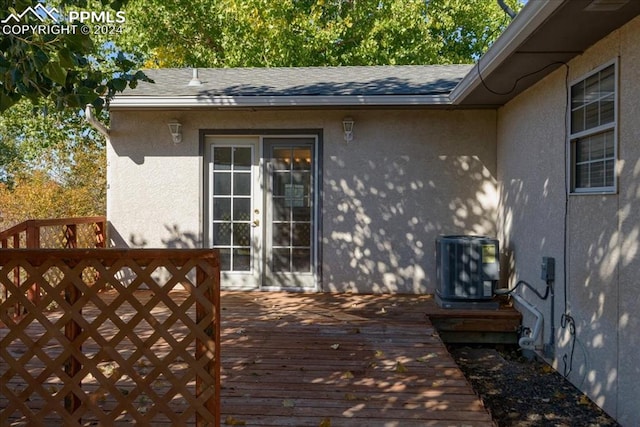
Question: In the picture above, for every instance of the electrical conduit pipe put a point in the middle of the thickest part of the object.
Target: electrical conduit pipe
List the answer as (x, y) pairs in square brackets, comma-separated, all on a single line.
[(528, 343)]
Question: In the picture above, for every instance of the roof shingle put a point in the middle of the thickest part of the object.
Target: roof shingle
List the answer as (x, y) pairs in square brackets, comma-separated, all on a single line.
[(305, 81)]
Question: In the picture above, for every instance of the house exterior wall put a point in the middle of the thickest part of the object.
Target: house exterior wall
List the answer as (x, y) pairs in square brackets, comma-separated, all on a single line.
[(407, 177), (597, 248)]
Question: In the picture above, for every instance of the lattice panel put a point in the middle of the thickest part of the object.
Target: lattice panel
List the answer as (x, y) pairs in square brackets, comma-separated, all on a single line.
[(139, 345), (69, 236)]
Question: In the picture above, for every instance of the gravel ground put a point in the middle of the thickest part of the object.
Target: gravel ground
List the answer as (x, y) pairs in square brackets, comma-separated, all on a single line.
[(524, 393)]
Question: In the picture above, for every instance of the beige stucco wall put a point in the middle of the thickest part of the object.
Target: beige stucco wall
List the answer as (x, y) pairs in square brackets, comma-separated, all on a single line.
[(602, 233), (407, 177)]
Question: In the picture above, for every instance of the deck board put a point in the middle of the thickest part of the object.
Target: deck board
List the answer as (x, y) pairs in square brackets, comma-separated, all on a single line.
[(294, 359), (353, 360)]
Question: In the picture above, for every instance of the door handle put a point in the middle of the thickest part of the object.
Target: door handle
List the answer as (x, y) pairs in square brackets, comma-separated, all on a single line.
[(255, 223)]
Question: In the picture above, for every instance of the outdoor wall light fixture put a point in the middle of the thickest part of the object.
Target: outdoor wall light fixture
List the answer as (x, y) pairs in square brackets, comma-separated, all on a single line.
[(176, 131), (347, 126)]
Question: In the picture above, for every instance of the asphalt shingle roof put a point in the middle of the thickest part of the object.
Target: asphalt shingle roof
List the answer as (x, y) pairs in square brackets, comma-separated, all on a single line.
[(304, 81)]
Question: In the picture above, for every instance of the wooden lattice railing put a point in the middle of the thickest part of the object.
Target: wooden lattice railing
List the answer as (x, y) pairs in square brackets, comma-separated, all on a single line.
[(80, 232), (140, 345)]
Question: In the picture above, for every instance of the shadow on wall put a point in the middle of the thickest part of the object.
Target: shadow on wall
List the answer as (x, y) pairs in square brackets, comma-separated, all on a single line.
[(603, 258), (176, 239), (381, 236)]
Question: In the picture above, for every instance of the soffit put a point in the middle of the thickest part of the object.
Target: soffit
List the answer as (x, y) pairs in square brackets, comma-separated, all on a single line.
[(571, 27)]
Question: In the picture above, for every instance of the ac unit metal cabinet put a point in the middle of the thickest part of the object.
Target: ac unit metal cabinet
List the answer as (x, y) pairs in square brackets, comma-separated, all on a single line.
[(467, 268)]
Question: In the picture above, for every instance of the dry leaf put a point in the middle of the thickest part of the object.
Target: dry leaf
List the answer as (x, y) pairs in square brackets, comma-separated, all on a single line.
[(230, 421), (400, 368), (335, 346), (379, 353), (584, 400), (347, 375), (350, 396), (325, 423), (547, 369)]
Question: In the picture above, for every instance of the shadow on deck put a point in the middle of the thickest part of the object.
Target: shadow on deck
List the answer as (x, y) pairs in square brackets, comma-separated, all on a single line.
[(339, 360)]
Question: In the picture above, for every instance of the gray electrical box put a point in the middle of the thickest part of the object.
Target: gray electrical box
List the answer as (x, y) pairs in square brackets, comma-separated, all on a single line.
[(467, 268), (548, 269)]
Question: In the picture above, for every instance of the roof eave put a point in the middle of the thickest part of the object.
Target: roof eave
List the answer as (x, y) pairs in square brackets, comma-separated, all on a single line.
[(523, 26), (222, 102)]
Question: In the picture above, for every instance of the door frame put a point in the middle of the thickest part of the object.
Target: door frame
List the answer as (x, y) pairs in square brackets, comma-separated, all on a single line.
[(204, 152)]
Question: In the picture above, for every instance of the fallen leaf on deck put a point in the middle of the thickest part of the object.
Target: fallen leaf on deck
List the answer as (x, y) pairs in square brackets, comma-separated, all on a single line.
[(230, 421), (325, 423), (400, 368), (350, 396), (288, 403), (379, 353), (335, 346), (347, 375)]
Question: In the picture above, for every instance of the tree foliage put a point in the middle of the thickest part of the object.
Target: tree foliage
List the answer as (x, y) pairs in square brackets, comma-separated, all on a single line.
[(52, 164), (67, 68), (258, 33)]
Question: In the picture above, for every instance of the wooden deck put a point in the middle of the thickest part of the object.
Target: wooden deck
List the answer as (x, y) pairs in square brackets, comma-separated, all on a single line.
[(339, 360), (333, 360)]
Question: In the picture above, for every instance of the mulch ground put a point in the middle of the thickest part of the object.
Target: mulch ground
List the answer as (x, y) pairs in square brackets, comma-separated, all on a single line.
[(526, 393)]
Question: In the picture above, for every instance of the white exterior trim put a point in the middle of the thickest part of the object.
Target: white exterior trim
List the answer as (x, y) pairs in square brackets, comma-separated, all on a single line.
[(147, 102)]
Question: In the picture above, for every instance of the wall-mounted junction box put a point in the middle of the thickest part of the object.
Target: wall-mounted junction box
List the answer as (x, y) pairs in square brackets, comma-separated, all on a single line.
[(548, 269)]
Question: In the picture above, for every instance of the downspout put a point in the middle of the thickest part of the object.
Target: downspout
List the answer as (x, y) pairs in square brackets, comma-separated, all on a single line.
[(528, 343), (97, 125)]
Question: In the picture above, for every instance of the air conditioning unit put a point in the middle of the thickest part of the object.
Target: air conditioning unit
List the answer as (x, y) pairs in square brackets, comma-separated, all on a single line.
[(467, 270)]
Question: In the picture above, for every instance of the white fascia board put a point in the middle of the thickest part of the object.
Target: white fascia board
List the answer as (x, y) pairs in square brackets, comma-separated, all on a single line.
[(534, 14), (276, 101)]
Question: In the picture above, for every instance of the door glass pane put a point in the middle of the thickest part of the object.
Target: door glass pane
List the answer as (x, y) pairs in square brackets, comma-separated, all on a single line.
[(280, 211), (241, 259), (280, 182), (242, 209), (241, 234), (242, 184), (282, 234), (301, 234), (281, 260), (302, 213), (225, 259), (281, 159), (221, 234), (222, 209), (221, 183), (242, 159), (222, 158), (301, 260)]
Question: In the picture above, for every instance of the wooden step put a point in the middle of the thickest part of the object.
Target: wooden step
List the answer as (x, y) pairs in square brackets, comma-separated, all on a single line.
[(473, 326)]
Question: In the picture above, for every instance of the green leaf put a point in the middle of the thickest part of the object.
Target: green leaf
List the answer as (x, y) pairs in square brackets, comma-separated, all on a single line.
[(6, 101), (118, 84), (55, 72), (66, 58)]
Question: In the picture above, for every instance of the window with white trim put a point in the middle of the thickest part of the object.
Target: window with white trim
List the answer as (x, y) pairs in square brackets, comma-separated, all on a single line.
[(593, 132)]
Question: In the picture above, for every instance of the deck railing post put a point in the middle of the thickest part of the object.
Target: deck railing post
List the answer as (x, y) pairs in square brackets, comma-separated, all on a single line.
[(72, 331), (33, 242), (212, 404)]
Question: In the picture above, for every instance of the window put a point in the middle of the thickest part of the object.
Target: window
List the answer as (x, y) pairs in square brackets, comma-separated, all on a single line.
[(593, 132)]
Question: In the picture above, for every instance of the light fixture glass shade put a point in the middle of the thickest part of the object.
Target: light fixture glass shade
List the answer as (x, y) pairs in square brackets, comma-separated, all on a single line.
[(347, 127), (176, 131)]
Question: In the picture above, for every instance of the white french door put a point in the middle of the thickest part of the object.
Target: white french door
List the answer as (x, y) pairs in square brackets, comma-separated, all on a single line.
[(261, 207)]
